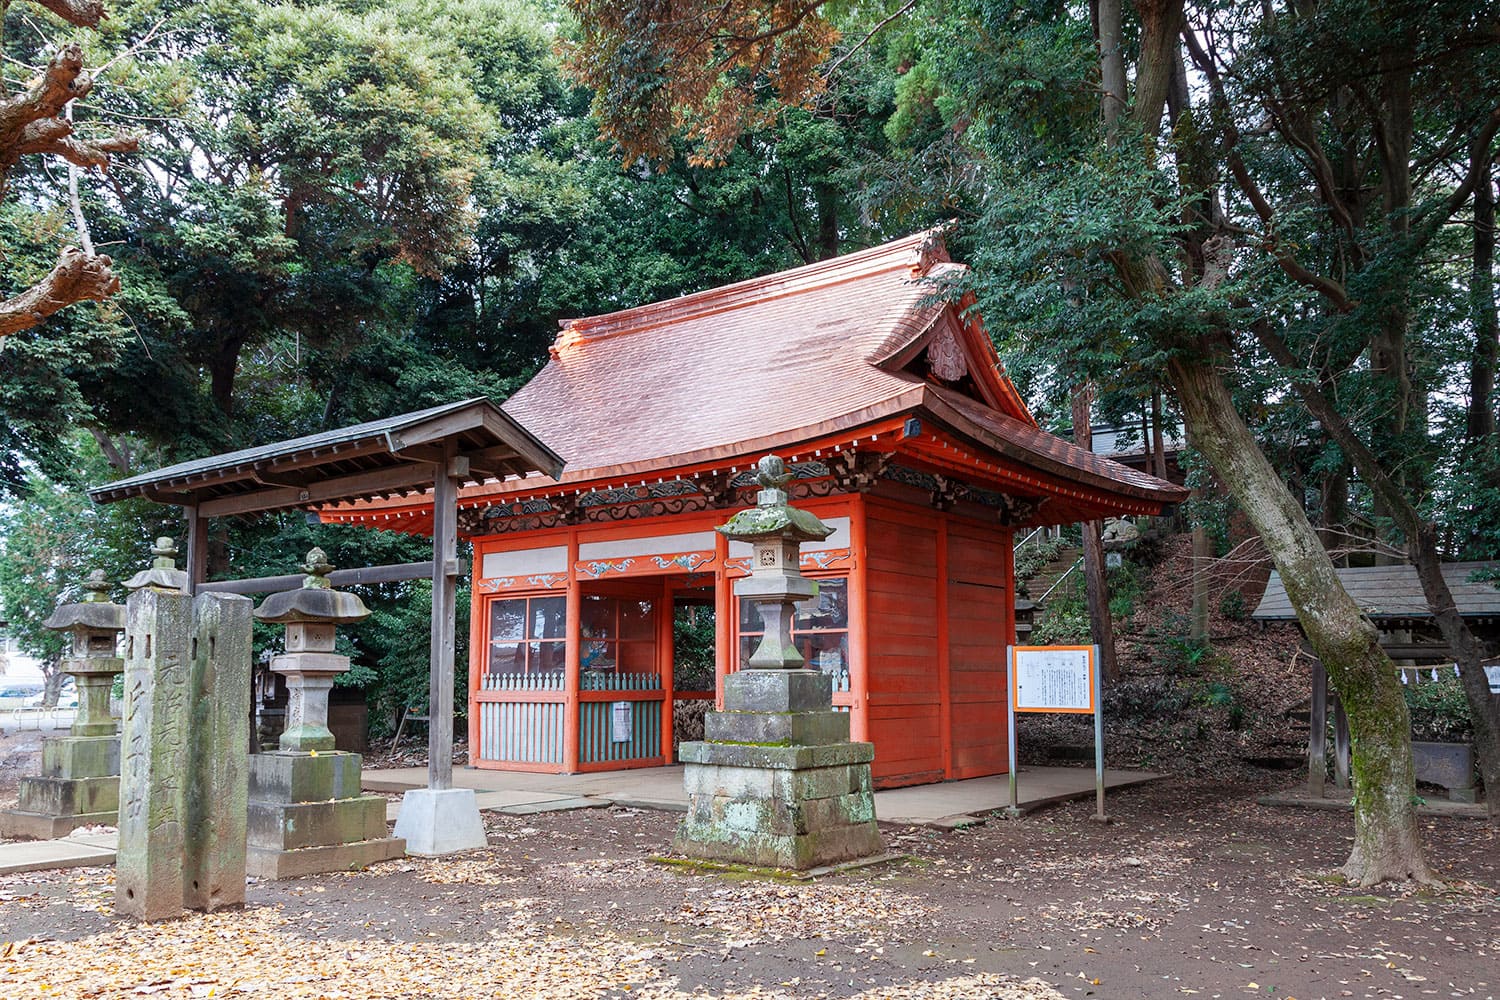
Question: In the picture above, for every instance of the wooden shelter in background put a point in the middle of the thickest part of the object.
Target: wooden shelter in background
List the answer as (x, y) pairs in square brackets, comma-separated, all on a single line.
[(1392, 598), (904, 433)]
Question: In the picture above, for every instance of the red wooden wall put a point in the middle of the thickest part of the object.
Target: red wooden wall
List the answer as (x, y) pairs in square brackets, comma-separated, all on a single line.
[(940, 612)]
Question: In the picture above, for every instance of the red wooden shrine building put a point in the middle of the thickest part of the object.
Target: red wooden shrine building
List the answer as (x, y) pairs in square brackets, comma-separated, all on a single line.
[(904, 434)]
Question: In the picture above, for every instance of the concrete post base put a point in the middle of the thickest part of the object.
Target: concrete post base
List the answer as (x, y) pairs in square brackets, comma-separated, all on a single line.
[(435, 822), (777, 783), (79, 786), (306, 815)]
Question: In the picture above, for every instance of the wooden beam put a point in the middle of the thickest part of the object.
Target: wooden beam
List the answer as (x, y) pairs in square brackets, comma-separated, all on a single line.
[(401, 477), (444, 602), (339, 578)]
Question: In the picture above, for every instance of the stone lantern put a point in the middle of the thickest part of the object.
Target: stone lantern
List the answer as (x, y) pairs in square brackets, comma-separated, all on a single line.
[(80, 780), (311, 616), (94, 626), (776, 781), (306, 812)]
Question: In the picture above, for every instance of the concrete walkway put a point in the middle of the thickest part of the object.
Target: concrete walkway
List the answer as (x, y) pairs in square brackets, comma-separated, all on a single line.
[(944, 805)]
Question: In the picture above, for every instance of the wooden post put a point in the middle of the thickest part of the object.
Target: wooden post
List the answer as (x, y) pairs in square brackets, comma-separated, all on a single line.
[(666, 662), (573, 663), (724, 648), (444, 598), (944, 665), (478, 657), (1318, 720), (197, 548), (859, 623), (1340, 743)]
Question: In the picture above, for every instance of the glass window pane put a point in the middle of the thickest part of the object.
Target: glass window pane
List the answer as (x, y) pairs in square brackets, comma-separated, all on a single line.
[(508, 619), (830, 609), (637, 620), (825, 651), (747, 646), (549, 617), (598, 618), (749, 617), (507, 658), (597, 655), (549, 657)]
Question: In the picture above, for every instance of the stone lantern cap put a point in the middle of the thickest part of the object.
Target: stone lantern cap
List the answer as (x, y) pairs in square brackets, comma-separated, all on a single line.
[(317, 601), (773, 516), (95, 613), (163, 574)]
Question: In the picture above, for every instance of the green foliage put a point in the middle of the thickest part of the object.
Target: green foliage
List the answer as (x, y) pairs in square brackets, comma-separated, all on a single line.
[(1439, 711), (1066, 621), (693, 637), (1232, 605)]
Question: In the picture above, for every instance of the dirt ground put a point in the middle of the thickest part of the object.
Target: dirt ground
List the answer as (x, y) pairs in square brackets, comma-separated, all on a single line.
[(1193, 890)]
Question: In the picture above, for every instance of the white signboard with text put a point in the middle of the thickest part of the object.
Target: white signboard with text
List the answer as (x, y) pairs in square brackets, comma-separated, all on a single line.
[(622, 717), (1052, 679)]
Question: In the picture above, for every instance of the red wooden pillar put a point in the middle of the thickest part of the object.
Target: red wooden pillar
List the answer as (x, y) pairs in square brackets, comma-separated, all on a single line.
[(945, 690), (859, 648), (572, 665), (478, 649), (1008, 578), (665, 655), (724, 609)]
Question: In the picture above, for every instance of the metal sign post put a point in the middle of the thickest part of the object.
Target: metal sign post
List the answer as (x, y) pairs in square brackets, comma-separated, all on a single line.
[(1057, 679)]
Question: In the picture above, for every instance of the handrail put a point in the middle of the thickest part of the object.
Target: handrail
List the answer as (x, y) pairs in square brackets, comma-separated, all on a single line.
[(1056, 583), (1034, 532)]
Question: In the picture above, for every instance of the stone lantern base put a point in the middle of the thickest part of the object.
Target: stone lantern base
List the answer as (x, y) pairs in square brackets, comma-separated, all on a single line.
[(777, 783), (79, 786), (307, 816)]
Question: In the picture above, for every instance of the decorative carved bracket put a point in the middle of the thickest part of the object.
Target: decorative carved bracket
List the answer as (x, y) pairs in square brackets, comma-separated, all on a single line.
[(857, 471)]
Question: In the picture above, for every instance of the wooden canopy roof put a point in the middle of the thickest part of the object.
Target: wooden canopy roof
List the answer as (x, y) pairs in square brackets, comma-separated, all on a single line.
[(808, 361), (1393, 593), (381, 458)]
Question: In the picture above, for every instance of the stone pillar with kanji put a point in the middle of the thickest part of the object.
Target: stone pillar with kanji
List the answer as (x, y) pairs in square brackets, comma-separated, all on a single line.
[(80, 781), (184, 738), (776, 782), (306, 811)]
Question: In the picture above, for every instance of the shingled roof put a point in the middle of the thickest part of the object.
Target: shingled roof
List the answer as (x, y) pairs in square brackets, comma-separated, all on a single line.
[(1389, 593), (779, 361)]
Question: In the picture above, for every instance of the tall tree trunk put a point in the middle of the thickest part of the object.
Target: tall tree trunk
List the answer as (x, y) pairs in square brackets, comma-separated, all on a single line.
[(1480, 426), (1158, 436), (1386, 840), (1096, 588), (1111, 39), (828, 221)]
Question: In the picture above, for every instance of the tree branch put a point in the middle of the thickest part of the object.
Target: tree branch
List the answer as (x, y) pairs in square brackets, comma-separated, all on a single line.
[(76, 277), (83, 13)]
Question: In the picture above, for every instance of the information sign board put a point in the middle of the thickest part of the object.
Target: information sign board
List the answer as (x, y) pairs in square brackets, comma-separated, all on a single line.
[(1052, 679)]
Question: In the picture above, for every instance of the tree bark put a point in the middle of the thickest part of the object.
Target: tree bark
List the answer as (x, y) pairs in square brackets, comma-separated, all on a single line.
[(1158, 436), (1480, 422), (1096, 587), (1386, 840), (1111, 38)]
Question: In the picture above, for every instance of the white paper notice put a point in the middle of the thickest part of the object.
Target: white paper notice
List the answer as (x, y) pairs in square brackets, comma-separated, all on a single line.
[(1052, 680), (623, 719)]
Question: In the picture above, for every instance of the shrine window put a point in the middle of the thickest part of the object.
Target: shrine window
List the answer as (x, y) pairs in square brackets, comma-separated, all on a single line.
[(820, 629), (618, 635), (527, 635)]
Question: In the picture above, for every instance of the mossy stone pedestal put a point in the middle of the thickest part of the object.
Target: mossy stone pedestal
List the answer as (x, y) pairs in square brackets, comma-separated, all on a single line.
[(307, 813), (776, 782), (80, 780)]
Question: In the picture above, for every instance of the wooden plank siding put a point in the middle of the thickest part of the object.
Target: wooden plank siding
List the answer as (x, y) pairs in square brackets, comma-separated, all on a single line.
[(980, 616), (939, 595)]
